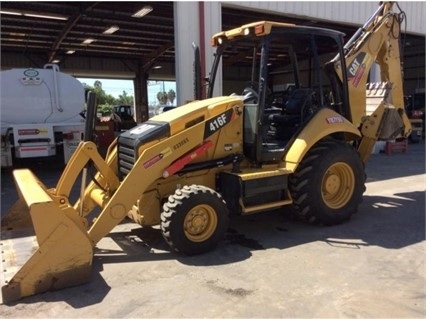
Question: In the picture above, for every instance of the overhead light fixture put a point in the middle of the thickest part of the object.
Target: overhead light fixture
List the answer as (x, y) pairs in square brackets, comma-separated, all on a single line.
[(88, 41), (70, 52), (45, 16), (14, 13), (18, 39), (157, 67), (33, 15), (17, 34), (56, 61), (111, 29), (142, 12)]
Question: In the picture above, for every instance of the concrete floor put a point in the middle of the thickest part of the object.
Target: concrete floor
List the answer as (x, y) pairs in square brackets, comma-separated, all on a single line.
[(268, 266)]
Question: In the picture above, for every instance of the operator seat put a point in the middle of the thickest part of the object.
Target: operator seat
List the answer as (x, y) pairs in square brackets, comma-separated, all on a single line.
[(296, 104), (293, 112)]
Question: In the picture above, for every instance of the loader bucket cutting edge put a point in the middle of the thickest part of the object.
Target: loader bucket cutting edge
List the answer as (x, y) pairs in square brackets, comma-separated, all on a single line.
[(58, 256)]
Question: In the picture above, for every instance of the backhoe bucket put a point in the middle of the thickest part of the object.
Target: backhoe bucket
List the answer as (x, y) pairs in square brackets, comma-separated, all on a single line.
[(52, 253)]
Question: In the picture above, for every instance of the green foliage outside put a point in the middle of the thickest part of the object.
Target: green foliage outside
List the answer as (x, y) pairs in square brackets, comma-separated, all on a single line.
[(164, 97), (107, 101)]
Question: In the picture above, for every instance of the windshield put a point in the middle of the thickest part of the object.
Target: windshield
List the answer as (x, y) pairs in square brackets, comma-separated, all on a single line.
[(242, 57)]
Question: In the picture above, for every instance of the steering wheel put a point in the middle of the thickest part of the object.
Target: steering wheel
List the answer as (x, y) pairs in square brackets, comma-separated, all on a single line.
[(250, 95)]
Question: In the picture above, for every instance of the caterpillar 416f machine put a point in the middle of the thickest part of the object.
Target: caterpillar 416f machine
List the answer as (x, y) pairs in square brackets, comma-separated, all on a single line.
[(296, 127)]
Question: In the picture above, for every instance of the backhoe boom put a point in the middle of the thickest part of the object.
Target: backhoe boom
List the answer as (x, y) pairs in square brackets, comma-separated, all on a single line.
[(377, 42)]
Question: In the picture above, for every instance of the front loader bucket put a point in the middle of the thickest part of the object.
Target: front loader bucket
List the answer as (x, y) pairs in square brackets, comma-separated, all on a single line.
[(55, 252)]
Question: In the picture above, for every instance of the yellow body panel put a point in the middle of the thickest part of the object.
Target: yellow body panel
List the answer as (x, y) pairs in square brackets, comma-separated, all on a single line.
[(226, 141), (196, 112), (325, 123), (151, 165)]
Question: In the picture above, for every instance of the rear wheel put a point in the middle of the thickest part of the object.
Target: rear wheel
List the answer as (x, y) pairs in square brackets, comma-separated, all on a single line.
[(194, 219), (328, 184)]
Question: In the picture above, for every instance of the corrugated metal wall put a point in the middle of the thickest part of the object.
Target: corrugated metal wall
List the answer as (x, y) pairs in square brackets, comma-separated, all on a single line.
[(351, 12)]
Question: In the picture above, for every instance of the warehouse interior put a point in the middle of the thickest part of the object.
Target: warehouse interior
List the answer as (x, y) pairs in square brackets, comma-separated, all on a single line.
[(108, 39)]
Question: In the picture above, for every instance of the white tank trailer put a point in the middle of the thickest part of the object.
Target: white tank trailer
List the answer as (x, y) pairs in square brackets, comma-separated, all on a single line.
[(40, 112)]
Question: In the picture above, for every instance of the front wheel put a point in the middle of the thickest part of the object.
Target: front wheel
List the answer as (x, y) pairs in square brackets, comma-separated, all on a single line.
[(194, 219), (328, 184)]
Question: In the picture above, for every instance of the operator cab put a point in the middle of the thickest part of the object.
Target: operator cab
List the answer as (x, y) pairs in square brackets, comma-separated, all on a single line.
[(283, 78)]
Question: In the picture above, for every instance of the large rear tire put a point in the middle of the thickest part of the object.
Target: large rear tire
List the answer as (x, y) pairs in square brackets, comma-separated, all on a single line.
[(329, 183), (194, 219)]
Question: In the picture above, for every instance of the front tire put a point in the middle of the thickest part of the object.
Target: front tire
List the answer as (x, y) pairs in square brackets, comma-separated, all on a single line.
[(329, 183), (194, 219)]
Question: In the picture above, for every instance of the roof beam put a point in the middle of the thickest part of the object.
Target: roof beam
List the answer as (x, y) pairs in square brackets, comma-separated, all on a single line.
[(153, 56), (68, 27)]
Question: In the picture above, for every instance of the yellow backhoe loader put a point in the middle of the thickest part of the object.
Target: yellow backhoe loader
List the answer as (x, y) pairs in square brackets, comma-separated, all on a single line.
[(296, 126)]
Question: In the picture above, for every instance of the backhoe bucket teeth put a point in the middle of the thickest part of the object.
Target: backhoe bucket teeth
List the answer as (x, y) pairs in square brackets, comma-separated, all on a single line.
[(59, 255)]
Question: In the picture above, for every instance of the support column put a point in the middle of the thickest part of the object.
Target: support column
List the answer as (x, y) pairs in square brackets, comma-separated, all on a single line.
[(186, 24), (205, 21), (212, 25)]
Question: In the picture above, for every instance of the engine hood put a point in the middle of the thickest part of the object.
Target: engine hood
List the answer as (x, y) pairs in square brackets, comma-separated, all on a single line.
[(194, 112)]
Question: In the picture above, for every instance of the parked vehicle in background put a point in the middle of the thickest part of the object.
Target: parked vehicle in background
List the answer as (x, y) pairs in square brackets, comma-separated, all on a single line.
[(40, 113), (125, 120)]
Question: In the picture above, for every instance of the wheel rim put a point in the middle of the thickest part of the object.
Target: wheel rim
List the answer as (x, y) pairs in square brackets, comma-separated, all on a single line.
[(338, 185), (200, 223)]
